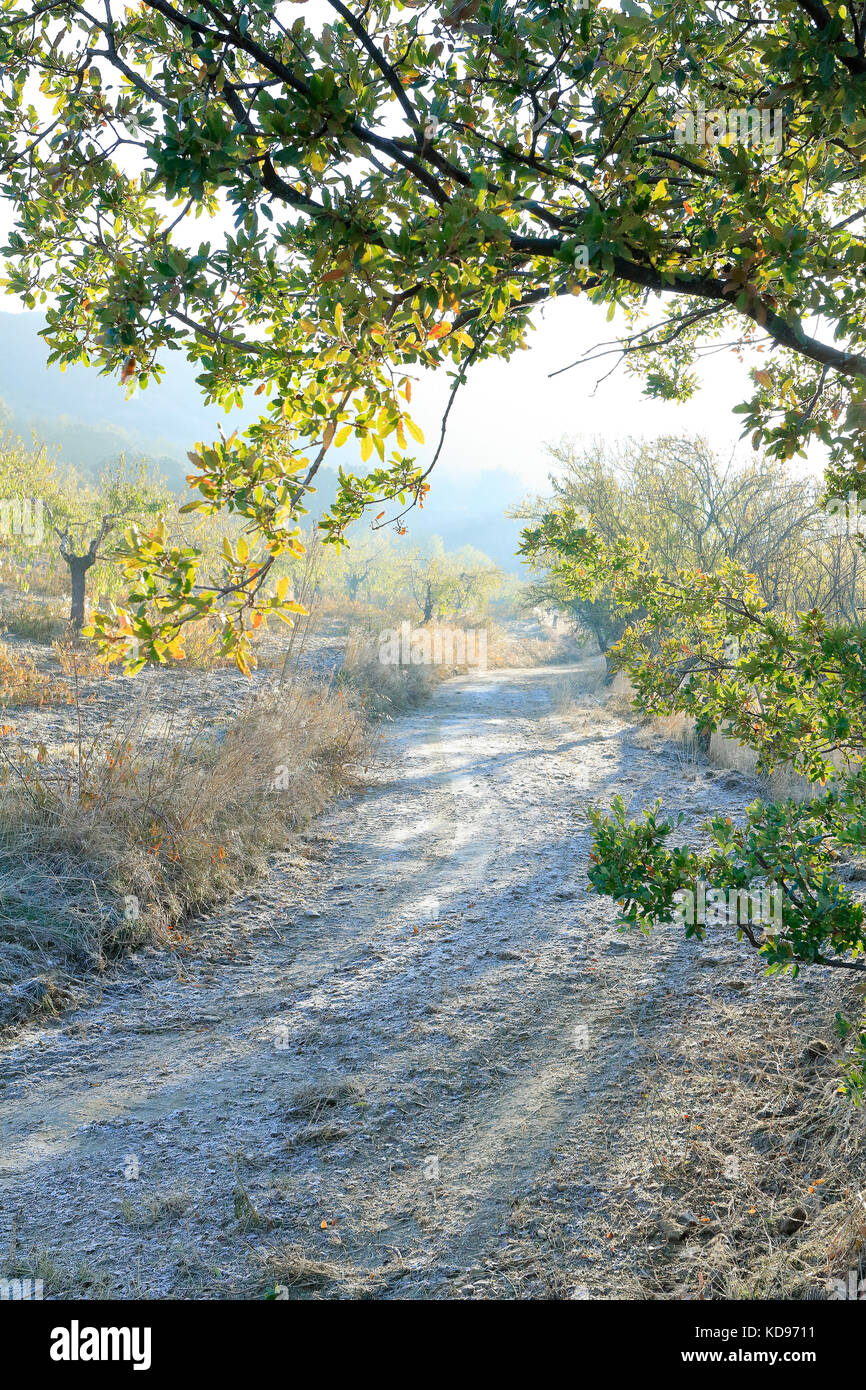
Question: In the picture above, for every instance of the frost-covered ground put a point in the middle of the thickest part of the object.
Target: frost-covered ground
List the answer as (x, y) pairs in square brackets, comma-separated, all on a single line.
[(420, 1060)]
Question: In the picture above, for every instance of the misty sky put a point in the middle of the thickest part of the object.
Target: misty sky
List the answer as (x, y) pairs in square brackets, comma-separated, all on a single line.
[(508, 410)]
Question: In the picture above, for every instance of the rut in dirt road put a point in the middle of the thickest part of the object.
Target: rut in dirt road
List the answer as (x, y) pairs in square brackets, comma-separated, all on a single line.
[(395, 1087)]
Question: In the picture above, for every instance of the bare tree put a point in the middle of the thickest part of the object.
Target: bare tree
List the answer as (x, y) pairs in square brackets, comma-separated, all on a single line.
[(80, 562)]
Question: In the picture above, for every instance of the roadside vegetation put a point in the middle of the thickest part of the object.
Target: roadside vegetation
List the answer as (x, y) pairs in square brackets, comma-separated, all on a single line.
[(128, 806), (731, 597)]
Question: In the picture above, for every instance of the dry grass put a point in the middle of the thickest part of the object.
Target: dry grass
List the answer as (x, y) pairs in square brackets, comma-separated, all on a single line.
[(765, 1202), (679, 729), (155, 1209), (385, 689), (546, 648), (621, 694), (289, 1272), (60, 1279), (78, 661), (765, 1199), (38, 620), (201, 650), (22, 683), (782, 784), (145, 824), (389, 689), (572, 688), (312, 1099)]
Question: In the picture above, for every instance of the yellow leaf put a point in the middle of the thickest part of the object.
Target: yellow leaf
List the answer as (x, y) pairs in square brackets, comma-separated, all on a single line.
[(416, 433)]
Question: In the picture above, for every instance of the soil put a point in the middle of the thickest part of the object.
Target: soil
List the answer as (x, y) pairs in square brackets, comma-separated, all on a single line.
[(420, 1060)]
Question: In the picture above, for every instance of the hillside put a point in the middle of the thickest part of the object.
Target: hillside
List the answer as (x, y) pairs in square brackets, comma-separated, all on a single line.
[(87, 418)]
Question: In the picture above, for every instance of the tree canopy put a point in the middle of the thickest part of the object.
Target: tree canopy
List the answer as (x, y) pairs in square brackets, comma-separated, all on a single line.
[(395, 187), (694, 509)]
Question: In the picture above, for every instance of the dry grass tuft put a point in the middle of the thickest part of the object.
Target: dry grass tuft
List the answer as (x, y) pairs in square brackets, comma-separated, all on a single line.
[(201, 650), (60, 1278), (288, 1271), (38, 620), (314, 1097), (78, 661), (545, 647), (384, 689), (155, 1209), (781, 784)]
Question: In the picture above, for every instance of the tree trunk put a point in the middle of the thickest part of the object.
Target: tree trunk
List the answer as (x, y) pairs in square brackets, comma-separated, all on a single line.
[(78, 567)]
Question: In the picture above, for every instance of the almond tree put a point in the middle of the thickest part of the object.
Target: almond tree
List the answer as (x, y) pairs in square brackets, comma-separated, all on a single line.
[(80, 556)]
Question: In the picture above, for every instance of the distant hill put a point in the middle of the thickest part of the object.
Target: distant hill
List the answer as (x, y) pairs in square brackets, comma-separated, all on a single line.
[(88, 419), (87, 416)]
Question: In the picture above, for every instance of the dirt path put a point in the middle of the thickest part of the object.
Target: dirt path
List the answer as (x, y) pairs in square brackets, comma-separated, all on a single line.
[(427, 1079)]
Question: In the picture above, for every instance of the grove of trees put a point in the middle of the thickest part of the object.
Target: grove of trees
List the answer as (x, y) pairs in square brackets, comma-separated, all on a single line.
[(695, 509)]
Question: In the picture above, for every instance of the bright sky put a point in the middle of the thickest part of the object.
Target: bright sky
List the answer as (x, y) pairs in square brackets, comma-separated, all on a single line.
[(509, 410)]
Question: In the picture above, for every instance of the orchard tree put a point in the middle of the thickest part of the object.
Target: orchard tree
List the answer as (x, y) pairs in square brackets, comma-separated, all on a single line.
[(81, 553), (697, 508), (442, 582), (84, 516), (317, 211)]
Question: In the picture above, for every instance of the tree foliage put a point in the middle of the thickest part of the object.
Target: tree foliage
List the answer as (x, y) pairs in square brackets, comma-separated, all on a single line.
[(694, 509), (790, 687), (395, 190)]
